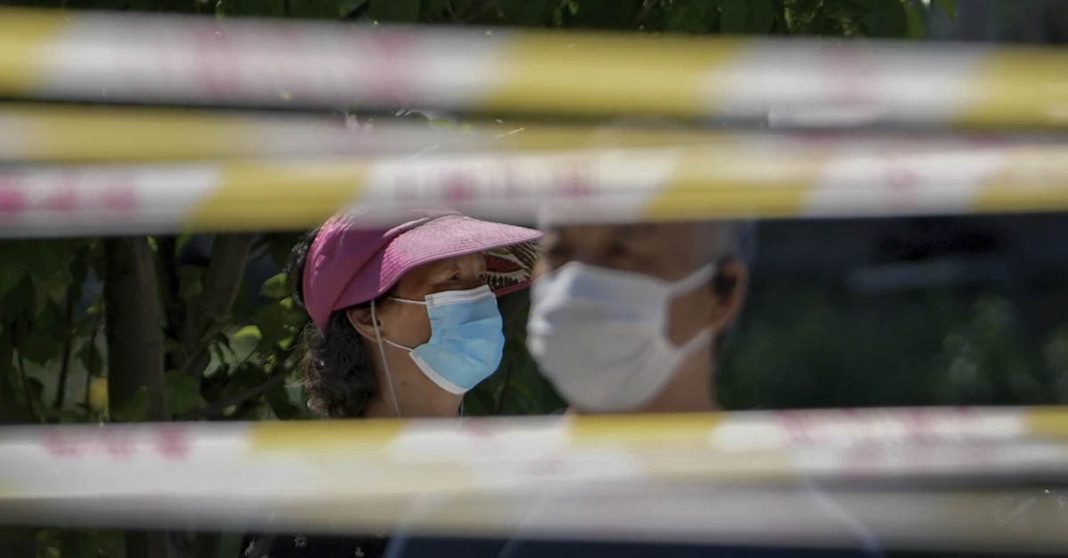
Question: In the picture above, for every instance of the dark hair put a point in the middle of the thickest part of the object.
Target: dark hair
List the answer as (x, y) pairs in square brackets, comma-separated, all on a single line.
[(338, 373)]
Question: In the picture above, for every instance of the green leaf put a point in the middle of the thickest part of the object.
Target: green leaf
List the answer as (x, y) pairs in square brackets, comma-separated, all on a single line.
[(948, 6), (277, 323), (244, 342), (277, 286), (183, 394), (249, 332), (916, 22), (886, 19), (395, 11), (223, 342), (133, 409), (746, 16), (271, 322)]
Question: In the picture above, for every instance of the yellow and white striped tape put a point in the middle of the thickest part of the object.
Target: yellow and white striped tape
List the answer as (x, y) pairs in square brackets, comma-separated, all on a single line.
[(739, 176), (278, 475), (188, 60), (64, 134)]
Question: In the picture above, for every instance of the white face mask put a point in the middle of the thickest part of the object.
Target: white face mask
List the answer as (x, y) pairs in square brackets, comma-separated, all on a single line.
[(600, 335)]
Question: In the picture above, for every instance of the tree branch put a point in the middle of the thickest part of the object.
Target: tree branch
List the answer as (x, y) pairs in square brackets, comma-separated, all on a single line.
[(132, 325), (170, 289), (31, 409), (68, 347), (780, 9), (217, 408), (222, 282), (88, 372), (135, 348)]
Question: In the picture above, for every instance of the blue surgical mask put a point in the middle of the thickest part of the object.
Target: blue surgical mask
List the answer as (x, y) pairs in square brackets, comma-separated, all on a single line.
[(466, 338)]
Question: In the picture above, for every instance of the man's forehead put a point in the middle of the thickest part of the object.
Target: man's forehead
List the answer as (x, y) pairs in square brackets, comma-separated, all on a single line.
[(641, 233), (664, 250)]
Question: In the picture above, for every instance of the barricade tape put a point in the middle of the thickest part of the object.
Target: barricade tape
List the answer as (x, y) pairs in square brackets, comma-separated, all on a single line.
[(34, 134), (739, 177), (489, 474), (187, 60)]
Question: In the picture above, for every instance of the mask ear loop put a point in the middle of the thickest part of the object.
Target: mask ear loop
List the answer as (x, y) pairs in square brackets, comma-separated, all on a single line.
[(385, 363), (699, 277)]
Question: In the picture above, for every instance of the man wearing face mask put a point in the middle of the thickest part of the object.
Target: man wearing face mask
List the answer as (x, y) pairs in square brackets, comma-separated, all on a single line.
[(627, 318)]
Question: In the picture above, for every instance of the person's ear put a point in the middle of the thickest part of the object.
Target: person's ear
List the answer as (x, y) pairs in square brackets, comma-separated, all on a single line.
[(729, 288), (360, 319)]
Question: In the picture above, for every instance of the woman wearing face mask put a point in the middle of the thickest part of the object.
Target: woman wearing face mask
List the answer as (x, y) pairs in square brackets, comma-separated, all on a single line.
[(404, 321)]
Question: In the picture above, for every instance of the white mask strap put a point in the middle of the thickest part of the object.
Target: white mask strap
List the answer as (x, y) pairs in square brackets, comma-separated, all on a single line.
[(408, 300), (397, 345), (703, 338), (385, 362), (687, 284), (694, 280)]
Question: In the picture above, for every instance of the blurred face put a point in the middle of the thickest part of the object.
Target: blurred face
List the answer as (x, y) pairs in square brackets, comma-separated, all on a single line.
[(669, 251), (408, 325)]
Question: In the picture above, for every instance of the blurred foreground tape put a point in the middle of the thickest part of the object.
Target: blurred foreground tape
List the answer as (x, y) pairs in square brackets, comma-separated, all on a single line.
[(729, 176), (63, 134), (683, 477), (152, 59)]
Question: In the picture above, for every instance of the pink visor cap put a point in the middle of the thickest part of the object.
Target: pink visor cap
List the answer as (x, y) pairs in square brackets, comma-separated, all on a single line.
[(347, 265)]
